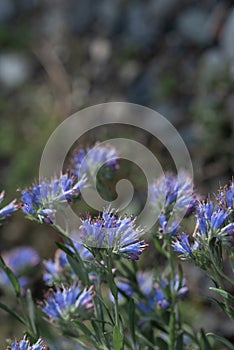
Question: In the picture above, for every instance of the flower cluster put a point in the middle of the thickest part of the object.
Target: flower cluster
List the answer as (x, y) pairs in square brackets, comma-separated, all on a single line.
[(8, 209), (20, 260), (214, 229), (169, 189), (24, 344), (225, 196), (117, 235), (41, 200), (155, 294), (89, 161), (67, 303)]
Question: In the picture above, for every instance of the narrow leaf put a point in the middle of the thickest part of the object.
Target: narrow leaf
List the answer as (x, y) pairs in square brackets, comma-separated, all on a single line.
[(12, 313), (223, 293), (31, 311), (13, 279), (221, 340), (117, 338)]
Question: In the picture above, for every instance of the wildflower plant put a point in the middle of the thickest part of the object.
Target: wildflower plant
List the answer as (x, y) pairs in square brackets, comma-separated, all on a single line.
[(96, 292)]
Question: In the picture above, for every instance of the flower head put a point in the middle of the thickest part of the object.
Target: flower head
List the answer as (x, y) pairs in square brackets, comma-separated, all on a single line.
[(118, 235), (225, 196), (68, 303), (165, 229), (41, 200), (24, 344), (8, 209), (182, 245), (89, 161), (169, 189), (210, 217)]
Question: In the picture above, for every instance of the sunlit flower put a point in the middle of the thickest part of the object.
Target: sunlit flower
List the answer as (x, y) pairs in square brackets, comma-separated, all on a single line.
[(41, 201), (118, 235), (68, 303)]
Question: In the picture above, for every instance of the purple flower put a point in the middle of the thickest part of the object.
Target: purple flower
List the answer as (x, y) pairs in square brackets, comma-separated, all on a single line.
[(226, 196), (89, 161), (8, 209), (182, 245), (19, 260), (169, 189), (41, 201), (118, 235), (164, 228), (210, 217), (24, 344), (68, 303)]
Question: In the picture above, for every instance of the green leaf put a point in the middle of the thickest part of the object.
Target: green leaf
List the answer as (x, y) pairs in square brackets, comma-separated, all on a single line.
[(13, 279), (117, 338), (31, 312), (205, 345), (132, 319), (179, 342), (12, 313), (221, 340), (112, 285), (147, 342), (223, 293), (78, 269)]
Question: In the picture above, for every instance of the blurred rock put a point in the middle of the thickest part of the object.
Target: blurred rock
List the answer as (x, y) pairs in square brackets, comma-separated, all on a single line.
[(140, 25), (170, 111), (129, 71), (163, 7), (15, 69), (6, 10), (100, 50), (212, 63), (81, 14), (141, 90), (193, 24), (108, 14), (227, 37)]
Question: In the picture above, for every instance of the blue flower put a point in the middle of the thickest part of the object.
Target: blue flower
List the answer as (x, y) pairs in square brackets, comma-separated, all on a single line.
[(169, 189), (24, 344), (225, 196), (164, 228), (89, 161), (41, 200), (68, 303), (182, 245), (210, 217), (118, 235), (19, 260), (8, 209)]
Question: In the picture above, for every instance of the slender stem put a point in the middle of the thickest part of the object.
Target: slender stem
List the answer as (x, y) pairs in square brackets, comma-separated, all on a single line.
[(172, 320)]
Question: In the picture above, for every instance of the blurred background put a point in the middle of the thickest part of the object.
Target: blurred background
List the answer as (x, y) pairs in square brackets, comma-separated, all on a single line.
[(58, 56)]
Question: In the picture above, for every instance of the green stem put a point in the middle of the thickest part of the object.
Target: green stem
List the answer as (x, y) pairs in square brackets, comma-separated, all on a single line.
[(172, 320)]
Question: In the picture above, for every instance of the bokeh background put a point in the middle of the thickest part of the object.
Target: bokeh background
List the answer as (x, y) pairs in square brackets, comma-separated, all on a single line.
[(58, 56)]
